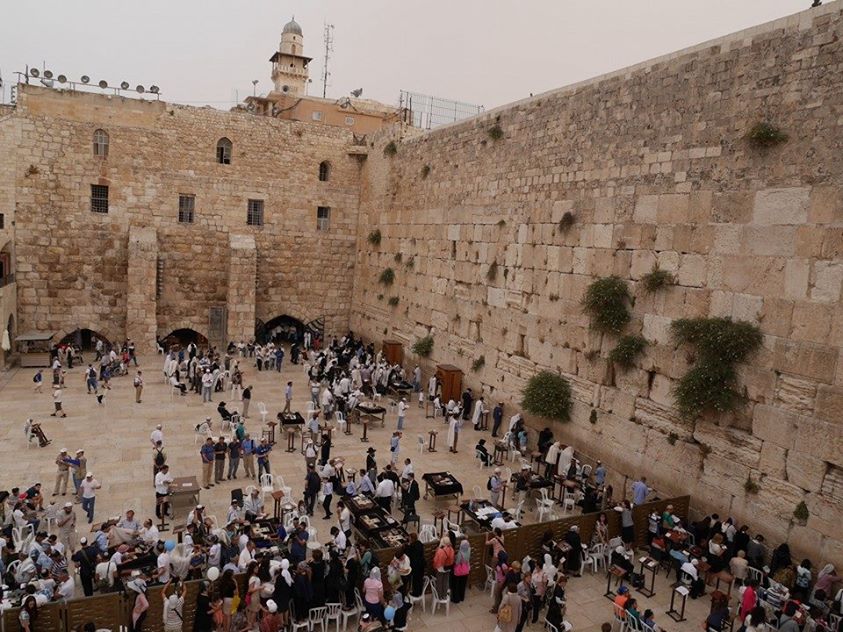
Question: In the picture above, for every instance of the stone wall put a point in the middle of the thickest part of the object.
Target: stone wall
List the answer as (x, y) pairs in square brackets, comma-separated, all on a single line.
[(654, 164), (76, 264)]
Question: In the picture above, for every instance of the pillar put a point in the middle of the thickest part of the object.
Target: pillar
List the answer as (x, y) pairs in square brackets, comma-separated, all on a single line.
[(242, 271), (141, 294)]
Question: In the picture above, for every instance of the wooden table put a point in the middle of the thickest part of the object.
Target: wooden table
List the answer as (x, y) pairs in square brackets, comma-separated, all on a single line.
[(271, 436)]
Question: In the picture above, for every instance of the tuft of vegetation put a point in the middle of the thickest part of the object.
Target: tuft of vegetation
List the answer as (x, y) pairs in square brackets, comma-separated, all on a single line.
[(423, 346), (764, 134), (605, 302), (750, 486), (705, 449), (553, 297), (374, 237), (501, 223), (566, 222), (380, 297), (495, 132), (672, 438), (411, 263), (478, 364), (425, 171), (801, 512), (398, 257), (391, 149), (393, 301), (627, 349), (548, 395), (592, 416), (656, 279), (591, 354), (387, 277), (492, 272)]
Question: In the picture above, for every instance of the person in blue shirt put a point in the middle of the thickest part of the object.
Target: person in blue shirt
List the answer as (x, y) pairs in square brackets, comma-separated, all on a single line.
[(207, 454), (600, 474), (497, 416), (640, 491), (279, 358), (248, 445), (298, 544), (262, 452)]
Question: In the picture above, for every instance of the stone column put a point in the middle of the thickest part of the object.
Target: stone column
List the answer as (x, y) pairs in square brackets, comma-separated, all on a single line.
[(141, 298), (242, 271)]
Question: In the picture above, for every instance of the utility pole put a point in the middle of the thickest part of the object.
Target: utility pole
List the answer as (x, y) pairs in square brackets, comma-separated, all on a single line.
[(328, 36)]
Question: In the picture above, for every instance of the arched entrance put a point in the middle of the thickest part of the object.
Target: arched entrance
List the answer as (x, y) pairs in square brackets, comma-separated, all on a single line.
[(85, 339), (282, 328), (184, 337)]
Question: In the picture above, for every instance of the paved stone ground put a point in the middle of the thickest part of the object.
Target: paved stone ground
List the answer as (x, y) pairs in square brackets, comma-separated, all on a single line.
[(115, 437)]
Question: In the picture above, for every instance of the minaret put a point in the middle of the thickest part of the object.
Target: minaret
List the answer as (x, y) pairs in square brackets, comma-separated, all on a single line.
[(289, 65)]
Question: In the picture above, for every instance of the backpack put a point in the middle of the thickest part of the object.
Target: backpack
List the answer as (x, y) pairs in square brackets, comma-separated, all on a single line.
[(35, 378), (489, 483), (159, 459), (505, 614)]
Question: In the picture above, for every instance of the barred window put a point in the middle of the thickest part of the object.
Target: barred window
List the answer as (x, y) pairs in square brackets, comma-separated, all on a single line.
[(224, 151), (99, 198), (324, 171), (323, 218), (186, 206), (101, 143), (254, 213)]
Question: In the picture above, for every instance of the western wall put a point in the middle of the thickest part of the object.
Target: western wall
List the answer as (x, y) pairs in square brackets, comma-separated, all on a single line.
[(654, 164)]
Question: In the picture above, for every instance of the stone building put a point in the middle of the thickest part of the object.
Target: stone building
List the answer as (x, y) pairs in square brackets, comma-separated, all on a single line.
[(652, 163)]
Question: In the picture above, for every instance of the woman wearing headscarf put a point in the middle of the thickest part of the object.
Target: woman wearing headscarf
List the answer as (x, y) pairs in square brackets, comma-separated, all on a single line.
[(443, 561), (352, 576), (827, 579), (402, 608), (272, 621), (302, 591), (415, 551), (140, 605), (501, 570), (373, 599), (573, 559), (556, 602), (462, 567), (283, 591)]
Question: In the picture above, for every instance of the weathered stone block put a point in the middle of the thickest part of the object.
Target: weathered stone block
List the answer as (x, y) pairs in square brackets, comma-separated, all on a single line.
[(805, 471), (829, 406), (781, 206), (772, 461), (805, 359)]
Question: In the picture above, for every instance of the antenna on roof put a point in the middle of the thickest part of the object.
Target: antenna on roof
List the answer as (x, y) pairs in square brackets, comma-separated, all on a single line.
[(328, 36)]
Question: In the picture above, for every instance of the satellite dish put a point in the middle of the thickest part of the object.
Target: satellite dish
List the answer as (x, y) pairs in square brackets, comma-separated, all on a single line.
[(285, 88), (140, 89), (62, 79), (85, 79), (357, 93), (34, 72), (48, 74), (153, 89), (103, 84), (124, 85)]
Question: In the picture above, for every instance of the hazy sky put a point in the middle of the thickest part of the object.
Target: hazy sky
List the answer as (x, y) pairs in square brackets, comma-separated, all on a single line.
[(486, 52)]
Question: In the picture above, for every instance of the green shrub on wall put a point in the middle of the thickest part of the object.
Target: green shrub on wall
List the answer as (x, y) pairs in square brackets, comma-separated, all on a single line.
[(478, 364), (627, 349), (423, 346), (374, 237), (657, 279), (387, 277), (391, 149), (765, 134), (605, 302), (548, 395), (720, 343)]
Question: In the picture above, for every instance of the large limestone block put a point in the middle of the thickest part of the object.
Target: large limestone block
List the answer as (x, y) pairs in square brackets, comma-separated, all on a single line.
[(657, 329), (724, 474), (662, 418), (829, 405), (821, 439), (646, 209), (805, 470), (772, 460), (734, 445), (805, 359), (775, 425), (824, 515), (796, 394), (772, 241), (828, 278), (812, 322), (781, 206), (796, 275), (692, 270), (826, 205)]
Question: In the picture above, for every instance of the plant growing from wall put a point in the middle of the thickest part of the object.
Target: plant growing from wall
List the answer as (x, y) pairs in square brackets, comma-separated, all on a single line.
[(566, 222), (380, 297), (627, 349), (720, 343), (548, 395), (605, 301), (411, 263), (656, 279), (592, 416), (495, 132), (393, 301), (425, 171), (765, 134), (750, 486), (492, 272), (398, 257), (801, 512), (501, 223), (478, 364), (387, 277), (374, 237), (672, 438), (391, 149), (423, 346)]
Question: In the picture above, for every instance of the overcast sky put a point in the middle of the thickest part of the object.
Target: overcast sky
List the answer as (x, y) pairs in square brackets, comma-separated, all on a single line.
[(486, 52)]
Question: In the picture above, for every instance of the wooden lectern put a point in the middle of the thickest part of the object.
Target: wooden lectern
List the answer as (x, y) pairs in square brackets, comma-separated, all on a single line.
[(450, 377)]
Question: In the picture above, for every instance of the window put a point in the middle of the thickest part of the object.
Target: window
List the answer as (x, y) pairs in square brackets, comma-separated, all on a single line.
[(2, 221), (99, 198), (349, 120), (254, 213), (101, 143), (316, 116), (224, 151), (323, 218), (186, 205), (324, 171)]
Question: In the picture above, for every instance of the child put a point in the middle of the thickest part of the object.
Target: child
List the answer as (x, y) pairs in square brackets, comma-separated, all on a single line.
[(38, 379), (522, 440), (57, 395)]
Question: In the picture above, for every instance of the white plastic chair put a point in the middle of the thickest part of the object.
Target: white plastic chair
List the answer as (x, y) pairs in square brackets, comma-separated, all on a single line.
[(476, 492), (545, 505), (300, 625), (586, 471), (490, 580), (569, 503), (263, 411), (317, 616), (201, 433), (333, 614), (596, 557), (619, 617), (427, 534), (420, 442), (20, 535), (341, 421), (30, 436), (549, 627), (518, 512), (436, 600), (421, 596)]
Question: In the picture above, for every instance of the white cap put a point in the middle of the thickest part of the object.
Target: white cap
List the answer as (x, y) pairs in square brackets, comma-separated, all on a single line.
[(271, 606), (158, 427), (89, 475), (68, 505), (63, 450)]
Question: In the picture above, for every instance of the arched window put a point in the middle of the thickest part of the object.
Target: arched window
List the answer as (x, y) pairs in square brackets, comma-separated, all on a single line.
[(101, 143), (324, 171), (224, 151)]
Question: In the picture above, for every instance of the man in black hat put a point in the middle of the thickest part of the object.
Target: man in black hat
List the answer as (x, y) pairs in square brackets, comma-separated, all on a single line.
[(371, 465), (312, 483)]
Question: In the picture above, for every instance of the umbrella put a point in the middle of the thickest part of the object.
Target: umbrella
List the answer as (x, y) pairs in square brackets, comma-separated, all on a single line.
[(6, 344)]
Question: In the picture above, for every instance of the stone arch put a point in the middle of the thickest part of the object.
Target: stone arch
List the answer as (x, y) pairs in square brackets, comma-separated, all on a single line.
[(182, 336), (85, 337)]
